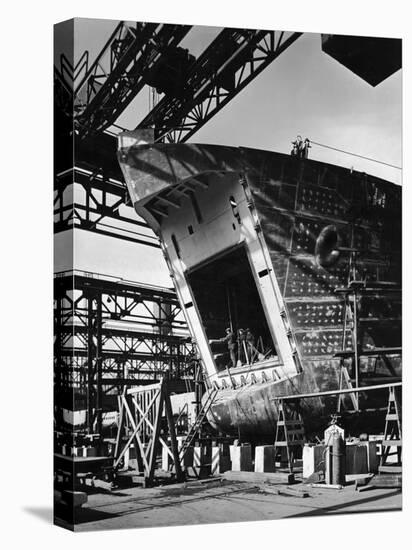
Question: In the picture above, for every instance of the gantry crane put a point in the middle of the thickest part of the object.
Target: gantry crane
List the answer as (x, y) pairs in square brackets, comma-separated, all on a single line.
[(191, 92)]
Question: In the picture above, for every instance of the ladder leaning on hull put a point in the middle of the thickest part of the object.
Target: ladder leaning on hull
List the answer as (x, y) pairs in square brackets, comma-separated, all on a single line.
[(198, 423), (290, 431)]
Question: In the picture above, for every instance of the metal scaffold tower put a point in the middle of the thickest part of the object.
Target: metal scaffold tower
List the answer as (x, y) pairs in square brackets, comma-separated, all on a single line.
[(110, 334)]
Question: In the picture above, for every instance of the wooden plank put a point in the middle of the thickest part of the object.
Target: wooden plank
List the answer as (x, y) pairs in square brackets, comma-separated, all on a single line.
[(121, 420), (326, 486), (390, 469), (385, 481), (289, 423), (392, 417), (139, 389), (172, 432), (291, 443), (155, 435), (288, 491), (362, 480), (259, 477)]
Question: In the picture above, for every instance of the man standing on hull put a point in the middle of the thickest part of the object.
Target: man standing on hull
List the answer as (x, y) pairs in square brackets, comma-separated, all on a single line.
[(230, 340)]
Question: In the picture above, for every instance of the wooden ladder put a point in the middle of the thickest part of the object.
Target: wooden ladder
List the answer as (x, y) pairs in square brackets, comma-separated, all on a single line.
[(345, 378), (392, 436), (290, 432)]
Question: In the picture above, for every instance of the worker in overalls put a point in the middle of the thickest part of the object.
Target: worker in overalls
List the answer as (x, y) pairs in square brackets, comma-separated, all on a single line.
[(297, 147), (253, 352), (230, 340), (300, 148), (242, 349)]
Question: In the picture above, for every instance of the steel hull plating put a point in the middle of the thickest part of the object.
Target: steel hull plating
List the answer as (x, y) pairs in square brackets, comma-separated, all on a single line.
[(204, 201)]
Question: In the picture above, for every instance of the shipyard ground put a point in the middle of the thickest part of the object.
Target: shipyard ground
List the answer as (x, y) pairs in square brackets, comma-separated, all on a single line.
[(218, 501)]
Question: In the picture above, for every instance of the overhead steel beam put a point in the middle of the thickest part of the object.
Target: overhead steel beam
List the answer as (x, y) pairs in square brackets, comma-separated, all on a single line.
[(229, 64), (80, 279), (109, 330), (134, 55), (120, 71), (100, 205)]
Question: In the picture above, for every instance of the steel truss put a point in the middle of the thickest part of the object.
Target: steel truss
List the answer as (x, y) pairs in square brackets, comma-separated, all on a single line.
[(232, 61), (87, 198), (126, 62), (88, 100), (112, 333)]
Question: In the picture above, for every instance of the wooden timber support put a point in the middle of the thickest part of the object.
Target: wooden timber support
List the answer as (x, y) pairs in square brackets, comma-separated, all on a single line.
[(143, 408)]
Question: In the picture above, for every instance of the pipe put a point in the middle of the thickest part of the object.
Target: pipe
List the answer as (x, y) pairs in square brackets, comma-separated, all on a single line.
[(337, 392)]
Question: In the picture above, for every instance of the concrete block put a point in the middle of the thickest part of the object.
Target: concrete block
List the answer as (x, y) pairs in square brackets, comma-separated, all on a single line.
[(188, 457), (187, 461), (220, 461), (313, 459), (281, 457), (202, 461), (167, 460), (132, 451), (265, 458), (259, 477), (241, 456)]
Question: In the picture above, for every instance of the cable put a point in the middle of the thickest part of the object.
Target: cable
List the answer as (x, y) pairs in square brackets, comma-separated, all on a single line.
[(355, 155)]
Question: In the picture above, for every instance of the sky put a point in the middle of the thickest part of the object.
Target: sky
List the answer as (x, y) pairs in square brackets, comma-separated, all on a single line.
[(304, 91)]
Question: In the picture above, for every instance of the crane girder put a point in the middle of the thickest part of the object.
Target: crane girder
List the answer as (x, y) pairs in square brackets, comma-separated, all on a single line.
[(120, 72), (232, 60), (194, 90)]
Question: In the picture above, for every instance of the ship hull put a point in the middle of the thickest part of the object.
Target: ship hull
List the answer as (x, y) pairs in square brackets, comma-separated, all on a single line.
[(262, 240), (251, 412)]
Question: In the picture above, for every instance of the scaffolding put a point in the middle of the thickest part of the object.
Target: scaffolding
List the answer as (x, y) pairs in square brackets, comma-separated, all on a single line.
[(110, 334)]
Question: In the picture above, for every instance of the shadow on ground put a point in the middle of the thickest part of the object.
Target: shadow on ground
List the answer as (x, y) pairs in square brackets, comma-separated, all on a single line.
[(340, 508)]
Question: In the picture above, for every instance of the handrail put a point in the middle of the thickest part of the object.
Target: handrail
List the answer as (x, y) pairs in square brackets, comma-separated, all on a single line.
[(336, 392)]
